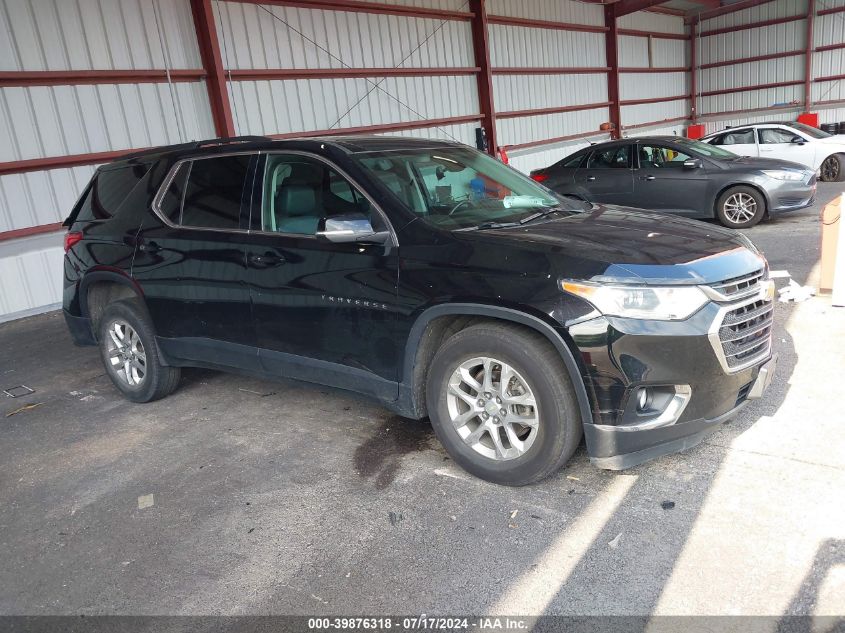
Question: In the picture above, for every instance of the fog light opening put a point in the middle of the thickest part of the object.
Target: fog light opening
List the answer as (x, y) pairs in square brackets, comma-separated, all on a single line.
[(644, 399)]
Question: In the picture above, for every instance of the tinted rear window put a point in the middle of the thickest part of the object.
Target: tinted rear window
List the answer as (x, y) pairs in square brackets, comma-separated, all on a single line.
[(213, 192), (107, 192)]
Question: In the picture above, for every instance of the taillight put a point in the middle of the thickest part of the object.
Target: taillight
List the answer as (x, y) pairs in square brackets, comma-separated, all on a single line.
[(539, 176), (71, 238)]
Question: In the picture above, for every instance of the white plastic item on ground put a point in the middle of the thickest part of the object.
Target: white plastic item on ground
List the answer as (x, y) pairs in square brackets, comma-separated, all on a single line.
[(795, 292), (838, 294)]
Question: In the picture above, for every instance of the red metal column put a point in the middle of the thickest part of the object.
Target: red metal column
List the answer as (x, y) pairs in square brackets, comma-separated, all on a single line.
[(808, 57), (694, 71), (481, 47), (611, 42), (212, 62)]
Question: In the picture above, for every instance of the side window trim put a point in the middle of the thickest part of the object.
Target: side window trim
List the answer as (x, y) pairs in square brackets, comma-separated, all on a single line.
[(257, 206), (168, 180)]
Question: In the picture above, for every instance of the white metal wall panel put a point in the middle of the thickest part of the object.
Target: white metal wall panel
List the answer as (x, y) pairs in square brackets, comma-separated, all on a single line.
[(525, 92), (43, 121), (653, 22), (777, 38), (30, 278), (534, 158), (752, 73), (768, 11), (549, 10), (649, 112), (443, 5), (40, 197), (652, 85), (525, 46), (674, 129), (633, 52), (828, 91), (461, 133), (714, 125), (267, 36), (542, 127), (829, 29), (752, 100), (268, 107), (832, 115), (87, 34)]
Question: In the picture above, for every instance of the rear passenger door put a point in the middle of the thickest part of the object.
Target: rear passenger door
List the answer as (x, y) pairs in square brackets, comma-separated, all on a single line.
[(607, 175), (741, 141), (190, 261)]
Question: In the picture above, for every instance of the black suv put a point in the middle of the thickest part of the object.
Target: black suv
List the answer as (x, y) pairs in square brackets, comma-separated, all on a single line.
[(431, 277)]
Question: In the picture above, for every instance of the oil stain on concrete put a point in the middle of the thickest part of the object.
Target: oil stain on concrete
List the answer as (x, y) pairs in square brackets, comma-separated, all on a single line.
[(380, 457)]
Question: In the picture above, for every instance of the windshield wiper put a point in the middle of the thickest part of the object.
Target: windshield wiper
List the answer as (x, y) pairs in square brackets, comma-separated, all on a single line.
[(489, 225), (540, 214)]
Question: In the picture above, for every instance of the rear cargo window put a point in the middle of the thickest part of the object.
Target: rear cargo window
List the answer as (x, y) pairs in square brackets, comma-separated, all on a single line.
[(107, 192)]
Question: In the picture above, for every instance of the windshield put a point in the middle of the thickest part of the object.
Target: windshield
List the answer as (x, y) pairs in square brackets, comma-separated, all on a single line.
[(459, 187), (705, 148), (809, 130)]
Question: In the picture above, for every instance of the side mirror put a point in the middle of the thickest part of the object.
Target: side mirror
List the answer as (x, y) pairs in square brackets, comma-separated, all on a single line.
[(353, 227), (693, 163), (797, 140)]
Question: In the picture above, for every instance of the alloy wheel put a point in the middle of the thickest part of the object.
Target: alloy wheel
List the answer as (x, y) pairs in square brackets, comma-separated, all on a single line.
[(740, 207), (493, 408), (830, 169), (126, 355)]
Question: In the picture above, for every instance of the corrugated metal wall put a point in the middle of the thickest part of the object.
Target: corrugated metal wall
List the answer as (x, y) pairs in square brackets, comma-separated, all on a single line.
[(52, 121)]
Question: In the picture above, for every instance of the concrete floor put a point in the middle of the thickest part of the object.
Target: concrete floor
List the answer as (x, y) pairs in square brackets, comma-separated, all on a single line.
[(286, 498)]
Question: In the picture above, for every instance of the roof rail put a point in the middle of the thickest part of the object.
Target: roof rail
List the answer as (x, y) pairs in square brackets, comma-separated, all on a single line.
[(211, 142)]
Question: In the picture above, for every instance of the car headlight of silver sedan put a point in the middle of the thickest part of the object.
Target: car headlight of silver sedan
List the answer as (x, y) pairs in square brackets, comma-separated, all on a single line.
[(784, 174)]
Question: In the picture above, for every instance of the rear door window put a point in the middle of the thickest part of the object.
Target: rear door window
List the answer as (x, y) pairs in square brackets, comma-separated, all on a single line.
[(213, 192), (613, 158), (736, 137)]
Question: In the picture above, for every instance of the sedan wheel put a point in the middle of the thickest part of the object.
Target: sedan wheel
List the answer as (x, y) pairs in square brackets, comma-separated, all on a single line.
[(493, 408), (832, 169), (740, 208)]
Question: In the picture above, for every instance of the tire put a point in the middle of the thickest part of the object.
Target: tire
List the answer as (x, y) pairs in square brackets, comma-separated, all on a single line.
[(539, 450), (833, 169), (148, 379), (740, 207)]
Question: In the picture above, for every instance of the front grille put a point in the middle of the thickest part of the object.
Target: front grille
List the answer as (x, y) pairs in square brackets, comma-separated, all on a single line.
[(745, 333), (738, 286)]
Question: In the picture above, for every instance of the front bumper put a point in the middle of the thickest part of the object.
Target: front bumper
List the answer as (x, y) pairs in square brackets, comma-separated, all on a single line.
[(791, 196), (621, 356)]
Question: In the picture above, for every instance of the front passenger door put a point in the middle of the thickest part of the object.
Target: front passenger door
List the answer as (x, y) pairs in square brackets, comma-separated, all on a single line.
[(663, 183), (320, 308)]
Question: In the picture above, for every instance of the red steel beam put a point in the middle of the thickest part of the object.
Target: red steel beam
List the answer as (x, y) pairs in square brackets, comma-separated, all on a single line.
[(693, 77), (56, 162), (624, 7), (808, 56), (831, 10), (631, 102), (545, 24), (550, 141), (830, 78), (678, 13), (550, 70), (261, 74), (653, 123), (749, 111), (756, 58), (382, 127), (829, 47), (366, 7), (731, 8), (655, 69), (212, 62), (654, 34), (30, 230), (93, 77), (484, 78), (512, 114), (753, 25), (611, 55), (726, 91)]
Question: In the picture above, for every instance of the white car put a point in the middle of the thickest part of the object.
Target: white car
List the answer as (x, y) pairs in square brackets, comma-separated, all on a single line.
[(791, 141)]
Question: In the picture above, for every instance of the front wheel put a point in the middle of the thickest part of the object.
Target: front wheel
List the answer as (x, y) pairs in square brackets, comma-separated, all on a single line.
[(833, 168), (501, 403), (740, 207)]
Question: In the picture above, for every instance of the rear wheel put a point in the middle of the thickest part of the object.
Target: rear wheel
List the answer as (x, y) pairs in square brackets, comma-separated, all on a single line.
[(833, 168), (740, 207), (130, 355), (501, 404)]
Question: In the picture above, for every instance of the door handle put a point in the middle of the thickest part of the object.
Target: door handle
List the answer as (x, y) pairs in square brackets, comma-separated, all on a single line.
[(149, 247), (591, 178), (268, 260), (648, 177)]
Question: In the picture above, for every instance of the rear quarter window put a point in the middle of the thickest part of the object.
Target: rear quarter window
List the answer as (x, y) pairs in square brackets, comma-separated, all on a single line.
[(107, 192)]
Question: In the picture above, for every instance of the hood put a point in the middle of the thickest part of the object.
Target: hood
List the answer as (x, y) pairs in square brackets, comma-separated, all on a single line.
[(752, 162), (634, 246), (836, 139)]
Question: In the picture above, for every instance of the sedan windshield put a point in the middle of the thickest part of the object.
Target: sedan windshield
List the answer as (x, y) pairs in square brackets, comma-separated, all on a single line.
[(460, 188), (809, 130), (705, 148)]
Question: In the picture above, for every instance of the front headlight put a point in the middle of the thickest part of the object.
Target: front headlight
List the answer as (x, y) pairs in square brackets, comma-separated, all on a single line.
[(661, 303), (784, 174)]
